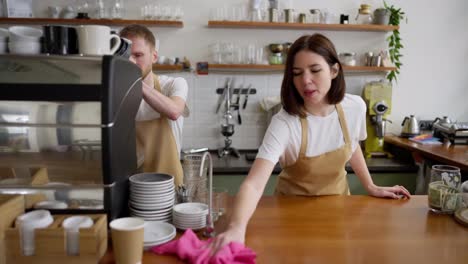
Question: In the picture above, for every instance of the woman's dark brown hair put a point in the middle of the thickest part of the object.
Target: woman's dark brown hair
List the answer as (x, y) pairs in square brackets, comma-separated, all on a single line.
[(290, 98)]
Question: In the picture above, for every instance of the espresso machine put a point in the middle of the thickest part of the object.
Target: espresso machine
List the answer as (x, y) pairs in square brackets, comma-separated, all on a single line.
[(67, 131), (378, 98)]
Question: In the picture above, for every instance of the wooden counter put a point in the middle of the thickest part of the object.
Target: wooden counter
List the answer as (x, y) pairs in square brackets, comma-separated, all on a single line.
[(348, 229), (456, 155)]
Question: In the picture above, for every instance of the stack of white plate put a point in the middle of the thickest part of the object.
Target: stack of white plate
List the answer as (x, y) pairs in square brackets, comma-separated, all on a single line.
[(152, 196), (157, 233), (190, 215)]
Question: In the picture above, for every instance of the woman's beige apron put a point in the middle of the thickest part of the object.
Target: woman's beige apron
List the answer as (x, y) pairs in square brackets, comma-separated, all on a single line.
[(320, 175), (156, 141)]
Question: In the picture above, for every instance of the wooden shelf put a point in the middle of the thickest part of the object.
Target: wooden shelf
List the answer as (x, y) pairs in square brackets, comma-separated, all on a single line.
[(247, 67), (282, 25), (262, 67), (108, 22), (368, 68), (164, 67)]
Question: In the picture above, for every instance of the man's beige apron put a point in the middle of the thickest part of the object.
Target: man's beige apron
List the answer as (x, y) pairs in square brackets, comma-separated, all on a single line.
[(156, 140), (320, 175)]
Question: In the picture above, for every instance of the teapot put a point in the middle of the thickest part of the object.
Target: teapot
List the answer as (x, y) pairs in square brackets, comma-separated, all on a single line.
[(410, 127), (443, 120)]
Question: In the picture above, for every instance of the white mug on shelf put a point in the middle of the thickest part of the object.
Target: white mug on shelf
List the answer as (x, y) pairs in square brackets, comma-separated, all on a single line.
[(95, 40)]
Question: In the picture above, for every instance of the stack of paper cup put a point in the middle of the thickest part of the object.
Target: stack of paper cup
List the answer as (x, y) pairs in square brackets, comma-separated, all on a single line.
[(72, 227), (27, 223)]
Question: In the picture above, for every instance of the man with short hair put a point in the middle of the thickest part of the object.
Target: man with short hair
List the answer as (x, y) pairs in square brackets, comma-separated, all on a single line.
[(160, 118)]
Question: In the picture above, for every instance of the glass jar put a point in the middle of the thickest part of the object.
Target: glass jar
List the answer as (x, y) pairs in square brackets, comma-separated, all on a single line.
[(347, 58), (276, 59), (315, 16), (443, 193), (364, 15)]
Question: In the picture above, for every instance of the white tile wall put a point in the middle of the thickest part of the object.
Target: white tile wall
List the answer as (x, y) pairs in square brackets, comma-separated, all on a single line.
[(203, 127)]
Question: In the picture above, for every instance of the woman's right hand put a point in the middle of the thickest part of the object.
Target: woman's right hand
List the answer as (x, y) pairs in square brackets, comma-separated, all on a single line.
[(236, 234)]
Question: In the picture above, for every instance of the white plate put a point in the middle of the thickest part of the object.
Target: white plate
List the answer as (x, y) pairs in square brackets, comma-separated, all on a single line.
[(164, 211), (152, 201), (153, 190), (190, 227), (152, 195), (146, 186), (155, 206), (151, 178), (157, 231), (191, 209), (147, 246), (167, 219)]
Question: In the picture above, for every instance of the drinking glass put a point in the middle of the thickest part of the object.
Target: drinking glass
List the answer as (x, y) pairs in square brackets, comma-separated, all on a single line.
[(444, 189), (220, 202)]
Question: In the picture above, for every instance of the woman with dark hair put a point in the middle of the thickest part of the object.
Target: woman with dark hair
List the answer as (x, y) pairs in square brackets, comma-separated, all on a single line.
[(313, 137)]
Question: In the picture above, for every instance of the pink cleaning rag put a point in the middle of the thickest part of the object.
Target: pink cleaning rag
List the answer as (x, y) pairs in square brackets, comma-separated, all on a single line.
[(192, 250)]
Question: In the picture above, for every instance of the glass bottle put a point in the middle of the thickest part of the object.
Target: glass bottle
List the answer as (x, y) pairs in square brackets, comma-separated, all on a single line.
[(117, 9), (364, 15)]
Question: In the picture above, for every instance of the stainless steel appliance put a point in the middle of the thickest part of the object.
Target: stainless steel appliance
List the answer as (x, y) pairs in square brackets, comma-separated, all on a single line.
[(456, 133), (67, 133), (410, 127)]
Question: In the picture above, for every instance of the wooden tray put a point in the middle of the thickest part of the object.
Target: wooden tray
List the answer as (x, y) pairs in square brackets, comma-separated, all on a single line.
[(10, 207), (50, 243)]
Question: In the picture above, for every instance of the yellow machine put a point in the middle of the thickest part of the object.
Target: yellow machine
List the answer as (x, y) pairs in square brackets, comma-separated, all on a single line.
[(378, 98)]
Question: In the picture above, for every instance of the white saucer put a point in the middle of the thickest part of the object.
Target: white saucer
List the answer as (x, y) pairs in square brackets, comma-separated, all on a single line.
[(158, 231), (191, 209)]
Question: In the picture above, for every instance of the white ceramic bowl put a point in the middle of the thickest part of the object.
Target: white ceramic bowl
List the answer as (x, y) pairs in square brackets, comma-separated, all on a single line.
[(24, 47), (22, 33), (4, 34)]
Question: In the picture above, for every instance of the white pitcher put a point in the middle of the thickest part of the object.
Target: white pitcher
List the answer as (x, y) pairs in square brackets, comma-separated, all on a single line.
[(95, 40)]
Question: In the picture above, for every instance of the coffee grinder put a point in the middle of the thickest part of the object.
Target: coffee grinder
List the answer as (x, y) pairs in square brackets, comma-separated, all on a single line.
[(378, 98)]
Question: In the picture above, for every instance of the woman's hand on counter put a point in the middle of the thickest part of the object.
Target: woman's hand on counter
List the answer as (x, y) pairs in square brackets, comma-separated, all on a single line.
[(395, 192), (236, 234)]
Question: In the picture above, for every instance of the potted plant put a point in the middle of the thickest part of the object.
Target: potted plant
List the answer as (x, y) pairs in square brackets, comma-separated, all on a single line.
[(394, 40)]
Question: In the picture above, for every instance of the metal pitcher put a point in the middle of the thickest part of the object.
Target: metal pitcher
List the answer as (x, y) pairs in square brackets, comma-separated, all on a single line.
[(410, 127)]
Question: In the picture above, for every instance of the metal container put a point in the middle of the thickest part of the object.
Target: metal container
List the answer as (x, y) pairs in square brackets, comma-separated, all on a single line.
[(410, 127), (289, 15), (302, 18), (273, 15)]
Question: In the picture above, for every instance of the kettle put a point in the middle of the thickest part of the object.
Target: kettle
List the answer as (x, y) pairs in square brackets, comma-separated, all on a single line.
[(410, 127), (443, 120)]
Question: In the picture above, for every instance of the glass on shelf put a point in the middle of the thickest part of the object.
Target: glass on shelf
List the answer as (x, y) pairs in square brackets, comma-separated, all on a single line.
[(364, 15), (117, 9)]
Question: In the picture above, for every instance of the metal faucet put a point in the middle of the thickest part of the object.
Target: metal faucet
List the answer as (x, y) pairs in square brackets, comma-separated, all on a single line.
[(209, 229)]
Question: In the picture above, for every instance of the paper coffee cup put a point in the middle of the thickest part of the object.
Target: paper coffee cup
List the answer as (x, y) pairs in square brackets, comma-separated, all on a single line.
[(127, 239)]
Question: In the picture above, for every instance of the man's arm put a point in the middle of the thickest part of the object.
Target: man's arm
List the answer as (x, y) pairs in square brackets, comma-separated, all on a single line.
[(172, 107)]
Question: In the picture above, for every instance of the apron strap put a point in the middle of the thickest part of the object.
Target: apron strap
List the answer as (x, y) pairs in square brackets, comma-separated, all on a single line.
[(343, 124), (304, 139)]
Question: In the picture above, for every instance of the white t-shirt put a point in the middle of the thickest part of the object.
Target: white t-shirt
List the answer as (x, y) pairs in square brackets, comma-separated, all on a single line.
[(170, 86), (282, 140)]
